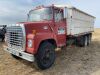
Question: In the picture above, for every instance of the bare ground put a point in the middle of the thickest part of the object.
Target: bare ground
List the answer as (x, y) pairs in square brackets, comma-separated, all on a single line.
[(69, 61)]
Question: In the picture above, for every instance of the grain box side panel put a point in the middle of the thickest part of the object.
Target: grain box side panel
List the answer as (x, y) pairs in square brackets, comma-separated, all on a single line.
[(81, 23)]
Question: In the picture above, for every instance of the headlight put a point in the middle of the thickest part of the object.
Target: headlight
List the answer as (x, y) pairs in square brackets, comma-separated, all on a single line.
[(30, 43)]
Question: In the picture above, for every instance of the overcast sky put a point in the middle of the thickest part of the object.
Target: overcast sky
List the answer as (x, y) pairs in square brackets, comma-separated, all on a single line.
[(13, 11)]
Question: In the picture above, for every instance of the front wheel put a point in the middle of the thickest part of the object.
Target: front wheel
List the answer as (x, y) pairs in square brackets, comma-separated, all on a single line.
[(45, 56)]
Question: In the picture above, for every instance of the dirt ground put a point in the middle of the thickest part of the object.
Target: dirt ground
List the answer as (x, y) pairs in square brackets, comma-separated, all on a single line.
[(69, 61)]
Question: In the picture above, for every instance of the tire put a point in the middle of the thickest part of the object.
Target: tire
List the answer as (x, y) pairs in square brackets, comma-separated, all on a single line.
[(45, 56), (83, 41), (89, 39), (16, 57)]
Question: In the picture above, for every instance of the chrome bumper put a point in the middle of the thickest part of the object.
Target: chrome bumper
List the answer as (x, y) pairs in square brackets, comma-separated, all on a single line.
[(21, 54)]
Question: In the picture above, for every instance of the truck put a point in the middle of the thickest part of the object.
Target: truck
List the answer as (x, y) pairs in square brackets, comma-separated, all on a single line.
[(2, 32), (46, 29)]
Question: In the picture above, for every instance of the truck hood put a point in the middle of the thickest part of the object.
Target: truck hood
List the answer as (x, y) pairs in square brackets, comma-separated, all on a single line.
[(38, 26)]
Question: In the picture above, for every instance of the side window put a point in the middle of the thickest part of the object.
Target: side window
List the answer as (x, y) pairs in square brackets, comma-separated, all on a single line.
[(58, 15)]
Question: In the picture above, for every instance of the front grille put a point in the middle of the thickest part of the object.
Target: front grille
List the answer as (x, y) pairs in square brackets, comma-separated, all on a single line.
[(15, 37)]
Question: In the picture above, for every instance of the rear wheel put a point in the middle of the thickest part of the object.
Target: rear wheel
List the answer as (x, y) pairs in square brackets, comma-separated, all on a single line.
[(89, 39), (46, 55), (83, 41)]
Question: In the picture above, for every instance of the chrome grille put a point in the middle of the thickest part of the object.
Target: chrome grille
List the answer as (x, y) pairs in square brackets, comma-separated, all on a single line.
[(15, 37)]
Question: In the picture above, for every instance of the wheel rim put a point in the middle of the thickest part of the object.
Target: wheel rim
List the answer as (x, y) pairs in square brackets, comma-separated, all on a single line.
[(47, 58)]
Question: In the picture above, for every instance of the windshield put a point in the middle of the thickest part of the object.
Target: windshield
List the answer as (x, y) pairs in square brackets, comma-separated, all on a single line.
[(40, 15)]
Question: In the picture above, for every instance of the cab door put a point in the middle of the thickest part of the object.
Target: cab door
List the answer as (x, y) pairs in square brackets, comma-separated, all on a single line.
[(60, 27)]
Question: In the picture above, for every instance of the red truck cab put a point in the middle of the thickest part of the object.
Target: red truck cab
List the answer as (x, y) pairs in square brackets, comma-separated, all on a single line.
[(46, 23)]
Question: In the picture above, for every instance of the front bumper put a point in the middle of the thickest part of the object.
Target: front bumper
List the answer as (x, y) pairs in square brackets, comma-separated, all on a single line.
[(21, 54)]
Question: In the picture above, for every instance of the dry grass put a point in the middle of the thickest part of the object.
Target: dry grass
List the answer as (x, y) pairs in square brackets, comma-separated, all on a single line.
[(69, 61)]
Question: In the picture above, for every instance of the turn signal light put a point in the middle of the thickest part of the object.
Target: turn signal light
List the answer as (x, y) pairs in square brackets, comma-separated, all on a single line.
[(34, 32)]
